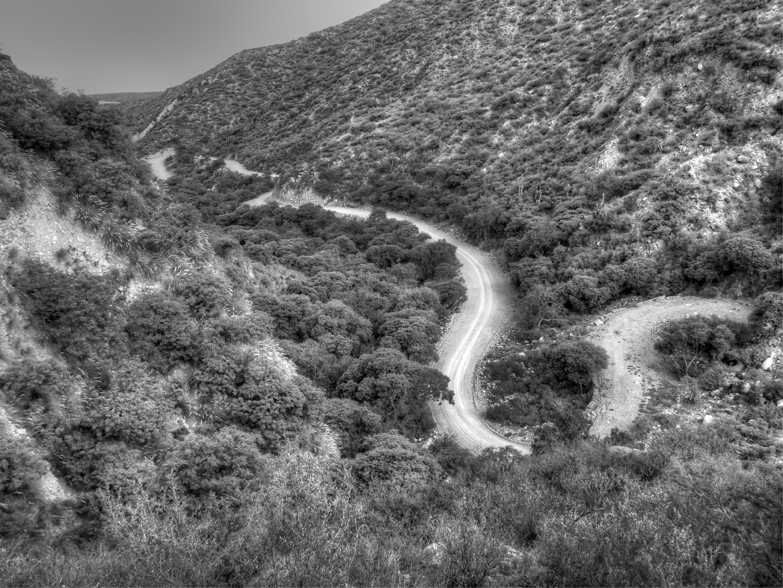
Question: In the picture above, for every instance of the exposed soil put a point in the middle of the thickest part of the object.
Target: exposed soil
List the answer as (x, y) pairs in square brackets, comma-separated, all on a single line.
[(628, 335), (157, 162)]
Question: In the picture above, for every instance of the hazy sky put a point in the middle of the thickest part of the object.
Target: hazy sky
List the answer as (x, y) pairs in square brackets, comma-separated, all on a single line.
[(141, 45)]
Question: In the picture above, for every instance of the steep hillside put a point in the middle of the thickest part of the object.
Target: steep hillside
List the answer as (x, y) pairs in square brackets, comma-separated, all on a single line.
[(480, 111), (231, 396), (606, 146)]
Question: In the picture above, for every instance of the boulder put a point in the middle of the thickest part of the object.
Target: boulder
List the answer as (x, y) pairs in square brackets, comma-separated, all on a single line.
[(766, 364), (434, 553), (707, 419)]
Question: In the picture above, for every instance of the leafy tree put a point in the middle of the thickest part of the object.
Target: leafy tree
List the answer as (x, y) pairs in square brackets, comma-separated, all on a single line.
[(745, 254), (352, 422), (398, 388), (584, 294), (263, 400), (768, 311), (691, 341), (338, 328), (412, 332)]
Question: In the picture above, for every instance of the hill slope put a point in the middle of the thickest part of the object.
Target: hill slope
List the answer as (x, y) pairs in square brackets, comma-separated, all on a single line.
[(459, 107), (592, 134)]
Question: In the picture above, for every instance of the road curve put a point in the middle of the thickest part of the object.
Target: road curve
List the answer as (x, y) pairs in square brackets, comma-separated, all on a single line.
[(482, 316), (628, 335)]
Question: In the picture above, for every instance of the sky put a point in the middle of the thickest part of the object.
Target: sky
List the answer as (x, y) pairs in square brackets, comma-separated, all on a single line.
[(104, 46)]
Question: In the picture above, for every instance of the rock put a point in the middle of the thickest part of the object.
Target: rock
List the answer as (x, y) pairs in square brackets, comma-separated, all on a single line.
[(746, 387), (434, 553), (737, 367), (598, 322), (511, 560), (707, 419), (623, 450), (715, 392), (766, 364), (742, 159), (780, 403)]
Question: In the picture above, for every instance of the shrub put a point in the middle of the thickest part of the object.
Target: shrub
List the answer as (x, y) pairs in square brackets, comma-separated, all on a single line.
[(768, 311), (392, 462), (161, 330), (20, 467), (223, 464), (205, 295), (352, 422), (77, 310), (28, 383), (692, 341), (133, 409)]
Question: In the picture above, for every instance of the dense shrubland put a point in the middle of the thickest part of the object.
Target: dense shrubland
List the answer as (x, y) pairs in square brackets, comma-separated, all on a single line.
[(242, 403), (685, 512), (606, 148)]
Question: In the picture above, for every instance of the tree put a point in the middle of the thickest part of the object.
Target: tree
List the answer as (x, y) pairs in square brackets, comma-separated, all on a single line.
[(412, 332), (398, 388), (161, 330), (574, 362), (338, 328), (352, 422), (222, 464), (392, 463), (690, 341), (206, 295), (133, 409)]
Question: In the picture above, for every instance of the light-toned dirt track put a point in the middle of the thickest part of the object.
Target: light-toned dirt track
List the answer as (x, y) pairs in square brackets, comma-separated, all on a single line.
[(481, 318), (157, 162), (628, 335)]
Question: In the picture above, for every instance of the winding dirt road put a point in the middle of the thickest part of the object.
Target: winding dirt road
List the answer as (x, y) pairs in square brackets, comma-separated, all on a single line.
[(157, 162), (628, 335), (481, 318)]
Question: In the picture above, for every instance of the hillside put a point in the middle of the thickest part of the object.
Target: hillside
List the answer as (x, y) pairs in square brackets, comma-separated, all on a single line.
[(489, 113), (194, 391), (600, 145)]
